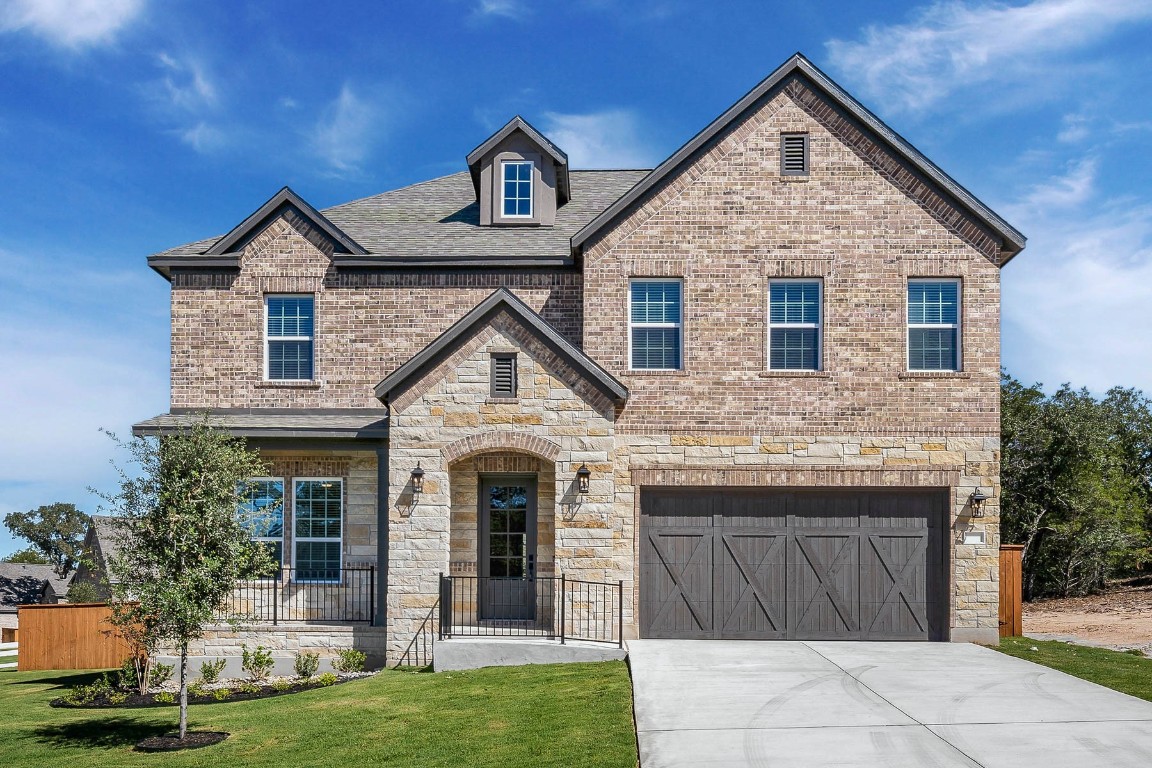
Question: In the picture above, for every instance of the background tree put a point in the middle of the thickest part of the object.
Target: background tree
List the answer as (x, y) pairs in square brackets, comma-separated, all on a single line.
[(55, 530), (182, 543), (29, 556), (1075, 484)]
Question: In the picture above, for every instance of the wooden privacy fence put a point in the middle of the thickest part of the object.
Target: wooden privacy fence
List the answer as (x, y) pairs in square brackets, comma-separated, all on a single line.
[(69, 637), (1011, 588)]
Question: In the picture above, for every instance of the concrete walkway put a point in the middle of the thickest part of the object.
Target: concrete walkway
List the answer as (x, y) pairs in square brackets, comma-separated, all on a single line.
[(920, 705)]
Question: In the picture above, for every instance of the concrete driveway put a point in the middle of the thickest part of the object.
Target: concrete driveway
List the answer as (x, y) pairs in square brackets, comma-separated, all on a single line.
[(920, 705)]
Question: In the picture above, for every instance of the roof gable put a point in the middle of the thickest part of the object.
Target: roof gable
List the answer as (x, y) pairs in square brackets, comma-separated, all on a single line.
[(517, 123), (501, 300), (283, 200), (1012, 241)]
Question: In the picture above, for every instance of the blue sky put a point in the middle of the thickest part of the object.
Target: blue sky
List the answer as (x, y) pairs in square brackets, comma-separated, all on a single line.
[(130, 126)]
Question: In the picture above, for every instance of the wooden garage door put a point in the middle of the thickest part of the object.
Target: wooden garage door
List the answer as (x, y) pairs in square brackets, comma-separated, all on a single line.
[(796, 564)]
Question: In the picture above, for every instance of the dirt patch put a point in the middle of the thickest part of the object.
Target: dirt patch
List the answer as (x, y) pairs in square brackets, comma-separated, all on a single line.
[(1118, 618)]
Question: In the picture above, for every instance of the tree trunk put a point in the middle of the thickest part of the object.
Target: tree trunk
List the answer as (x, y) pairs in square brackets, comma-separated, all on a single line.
[(183, 689)]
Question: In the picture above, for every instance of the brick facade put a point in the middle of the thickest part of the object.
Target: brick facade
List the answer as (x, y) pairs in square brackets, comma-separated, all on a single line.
[(726, 222)]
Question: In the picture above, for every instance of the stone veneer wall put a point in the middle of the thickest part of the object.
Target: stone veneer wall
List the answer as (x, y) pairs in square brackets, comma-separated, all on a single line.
[(448, 423)]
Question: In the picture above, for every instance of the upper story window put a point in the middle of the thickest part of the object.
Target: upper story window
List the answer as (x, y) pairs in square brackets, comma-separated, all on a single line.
[(262, 513), (934, 325), (517, 189), (655, 324), (794, 325), (289, 337)]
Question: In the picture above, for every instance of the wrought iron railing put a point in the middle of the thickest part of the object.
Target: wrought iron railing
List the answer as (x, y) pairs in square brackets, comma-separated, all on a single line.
[(420, 651), (554, 607), (306, 595)]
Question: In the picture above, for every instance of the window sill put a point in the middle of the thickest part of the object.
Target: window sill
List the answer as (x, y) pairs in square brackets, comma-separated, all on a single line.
[(502, 400), (657, 372), (915, 375), (795, 375), (797, 179), (290, 385)]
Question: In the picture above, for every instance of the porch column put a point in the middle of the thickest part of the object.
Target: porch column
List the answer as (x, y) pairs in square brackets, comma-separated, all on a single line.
[(382, 535)]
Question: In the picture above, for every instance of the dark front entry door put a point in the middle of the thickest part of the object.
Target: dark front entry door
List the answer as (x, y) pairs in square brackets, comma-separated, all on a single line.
[(507, 522)]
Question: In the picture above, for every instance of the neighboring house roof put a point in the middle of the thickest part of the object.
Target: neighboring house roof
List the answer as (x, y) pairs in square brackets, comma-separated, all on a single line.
[(365, 423), (25, 584), (517, 123), (104, 538), (1012, 240), (437, 223), (501, 300)]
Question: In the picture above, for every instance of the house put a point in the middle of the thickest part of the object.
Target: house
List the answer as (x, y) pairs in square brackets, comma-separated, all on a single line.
[(27, 584), (101, 545), (751, 393)]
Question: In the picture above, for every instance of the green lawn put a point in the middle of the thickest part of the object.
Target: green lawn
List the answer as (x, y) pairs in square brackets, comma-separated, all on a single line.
[(1120, 671), (547, 715)]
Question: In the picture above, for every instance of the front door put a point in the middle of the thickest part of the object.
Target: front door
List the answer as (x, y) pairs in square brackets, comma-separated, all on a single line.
[(507, 554)]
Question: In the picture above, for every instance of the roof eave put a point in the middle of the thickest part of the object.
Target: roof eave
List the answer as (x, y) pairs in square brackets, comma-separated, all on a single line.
[(239, 234)]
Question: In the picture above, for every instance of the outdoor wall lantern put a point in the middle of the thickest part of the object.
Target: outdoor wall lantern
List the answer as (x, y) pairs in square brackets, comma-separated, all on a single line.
[(417, 480), (583, 478), (976, 501)]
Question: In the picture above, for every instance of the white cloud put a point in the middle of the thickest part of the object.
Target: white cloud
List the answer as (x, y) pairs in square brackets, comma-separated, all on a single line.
[(70, 23), (1068, 191), (187, 85), (346, 132), (508, 9), (949, 46), (607, 139)]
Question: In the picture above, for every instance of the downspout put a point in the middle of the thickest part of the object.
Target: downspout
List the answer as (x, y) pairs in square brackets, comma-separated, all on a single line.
[(382, 493)]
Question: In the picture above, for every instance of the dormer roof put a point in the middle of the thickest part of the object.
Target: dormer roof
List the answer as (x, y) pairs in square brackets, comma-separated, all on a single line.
[(517, 123)]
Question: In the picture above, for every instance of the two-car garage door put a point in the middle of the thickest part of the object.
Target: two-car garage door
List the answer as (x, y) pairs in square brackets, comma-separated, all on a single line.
[(793, 564)]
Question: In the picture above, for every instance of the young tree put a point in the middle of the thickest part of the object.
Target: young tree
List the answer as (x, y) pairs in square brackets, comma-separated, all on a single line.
[(182, 544), (56, 530)]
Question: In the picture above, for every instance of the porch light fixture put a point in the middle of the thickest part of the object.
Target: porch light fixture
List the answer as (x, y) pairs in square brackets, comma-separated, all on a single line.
[(417, 480), (583, 478), (976, 502)]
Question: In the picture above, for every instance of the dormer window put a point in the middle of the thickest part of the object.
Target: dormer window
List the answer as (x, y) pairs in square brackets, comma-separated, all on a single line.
[(517, 193)]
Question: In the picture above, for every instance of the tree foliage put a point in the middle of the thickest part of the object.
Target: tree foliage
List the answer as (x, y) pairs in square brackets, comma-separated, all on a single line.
[(1076, 474), (55, 530), (182, 546), (28, 556)]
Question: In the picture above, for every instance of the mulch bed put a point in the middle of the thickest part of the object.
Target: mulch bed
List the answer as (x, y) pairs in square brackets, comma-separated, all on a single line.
[(171, 742), (133, 699)]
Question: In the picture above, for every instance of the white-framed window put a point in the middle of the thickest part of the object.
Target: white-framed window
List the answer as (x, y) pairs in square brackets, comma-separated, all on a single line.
[(934, 324), (655, 324), (795, 322), (262, 513), (516, 190), (317, 528), (289, 335)]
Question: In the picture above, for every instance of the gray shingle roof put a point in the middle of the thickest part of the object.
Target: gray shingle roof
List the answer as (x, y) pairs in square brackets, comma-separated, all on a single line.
[(438, 221), (23, 583), (371, 424)]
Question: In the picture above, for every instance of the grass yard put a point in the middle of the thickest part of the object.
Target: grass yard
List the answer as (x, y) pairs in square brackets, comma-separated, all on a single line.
[(1124, 672), (545, 715)]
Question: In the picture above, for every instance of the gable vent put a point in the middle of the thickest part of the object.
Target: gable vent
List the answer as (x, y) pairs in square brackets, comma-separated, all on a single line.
[(794, 154), (504, 376)]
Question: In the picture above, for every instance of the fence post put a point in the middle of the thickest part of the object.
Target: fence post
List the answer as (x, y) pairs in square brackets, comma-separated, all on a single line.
[(276, 599), (620, 619), (443, 606), (371, 593), (563, 603)]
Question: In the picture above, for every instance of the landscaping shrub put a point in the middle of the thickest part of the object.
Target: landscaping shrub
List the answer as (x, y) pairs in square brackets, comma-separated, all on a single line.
[(161, 673), (257, 663), (326, 679), (167, 697), (210, 670), (349, 660), (197, 688), (220, 694), (307, 664)]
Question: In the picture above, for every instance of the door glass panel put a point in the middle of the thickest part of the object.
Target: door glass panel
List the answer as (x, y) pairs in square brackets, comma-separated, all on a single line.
[(507, 531)]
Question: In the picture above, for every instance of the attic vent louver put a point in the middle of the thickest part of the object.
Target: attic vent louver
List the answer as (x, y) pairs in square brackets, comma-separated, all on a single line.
[(503, 375), (794, 154)]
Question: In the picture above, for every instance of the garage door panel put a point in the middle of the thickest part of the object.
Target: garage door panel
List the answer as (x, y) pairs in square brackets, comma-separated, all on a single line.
[(750, 584), (824, 564), (676, 565)]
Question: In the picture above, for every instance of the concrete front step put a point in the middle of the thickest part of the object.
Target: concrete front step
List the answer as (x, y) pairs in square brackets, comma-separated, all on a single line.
[(473, 653)]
